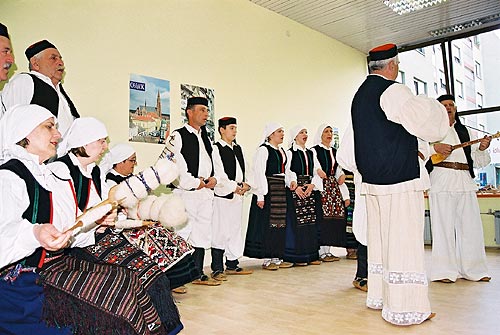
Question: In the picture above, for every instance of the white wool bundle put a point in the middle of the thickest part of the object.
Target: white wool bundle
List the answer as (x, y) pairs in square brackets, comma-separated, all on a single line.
[(129, 223), (132, 212), (167, 170), (144, 207), (156, 207), (131, 191), (173, 213)]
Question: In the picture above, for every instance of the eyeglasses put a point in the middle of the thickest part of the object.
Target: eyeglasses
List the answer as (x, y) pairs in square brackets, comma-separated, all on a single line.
[(132, 160)]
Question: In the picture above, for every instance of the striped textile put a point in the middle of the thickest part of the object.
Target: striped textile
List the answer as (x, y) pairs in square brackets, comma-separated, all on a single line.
[(277, 200), (103, 299)]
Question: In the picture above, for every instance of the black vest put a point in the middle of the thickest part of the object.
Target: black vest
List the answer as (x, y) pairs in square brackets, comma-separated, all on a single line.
[(46, 96), (385, 152), (298, 163), (229, 157), (116, 178), (190, 149), (40, 207), (325, 160), (82, 183), (276, 160)]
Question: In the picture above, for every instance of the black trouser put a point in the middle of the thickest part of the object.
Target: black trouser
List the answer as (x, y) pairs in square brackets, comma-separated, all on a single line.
[(217, 260), (199, 256), (232, 265), (362, 270)]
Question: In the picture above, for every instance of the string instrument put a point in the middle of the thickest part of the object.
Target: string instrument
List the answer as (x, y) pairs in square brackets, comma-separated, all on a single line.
[(438, 158)]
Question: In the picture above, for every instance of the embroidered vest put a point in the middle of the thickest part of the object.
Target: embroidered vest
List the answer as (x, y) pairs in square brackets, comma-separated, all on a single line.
[(276, 160), (325, 159), (229, 157), (190, 149)]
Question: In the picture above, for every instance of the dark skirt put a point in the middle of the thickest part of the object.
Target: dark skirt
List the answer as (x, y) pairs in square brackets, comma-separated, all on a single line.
[(332, 215), (301, 244), (115, 249), (266, 227), (21, 306)]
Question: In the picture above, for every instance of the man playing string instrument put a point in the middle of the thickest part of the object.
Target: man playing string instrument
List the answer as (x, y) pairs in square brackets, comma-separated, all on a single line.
[(457, 231)]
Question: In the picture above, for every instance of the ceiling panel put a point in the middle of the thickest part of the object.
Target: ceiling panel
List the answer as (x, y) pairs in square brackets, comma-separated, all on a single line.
[(365, 24)]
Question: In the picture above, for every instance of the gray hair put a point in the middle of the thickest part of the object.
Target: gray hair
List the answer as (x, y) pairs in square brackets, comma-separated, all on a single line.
[(37, 56), (380, 64)]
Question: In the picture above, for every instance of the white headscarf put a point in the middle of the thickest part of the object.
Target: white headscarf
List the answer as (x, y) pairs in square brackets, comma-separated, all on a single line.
[(319, 132), (17, 123), (294, 132), (270, 128), (83, 131), (115, 155)]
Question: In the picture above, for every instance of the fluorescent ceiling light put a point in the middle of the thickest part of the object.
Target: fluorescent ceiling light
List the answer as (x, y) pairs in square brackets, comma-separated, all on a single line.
[(469, 24), (407, 6)]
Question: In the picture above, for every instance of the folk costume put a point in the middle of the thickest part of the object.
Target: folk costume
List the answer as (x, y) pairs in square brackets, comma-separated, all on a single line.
[(42, 292), (301, 245), (386, 120), (36, 88), (111, 246), (265, 236), (193, 156), (332, 218), (229, 166), (457, 230), (170, 251)]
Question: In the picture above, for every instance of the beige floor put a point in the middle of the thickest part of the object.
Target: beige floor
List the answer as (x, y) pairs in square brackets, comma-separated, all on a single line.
[(321, 300)]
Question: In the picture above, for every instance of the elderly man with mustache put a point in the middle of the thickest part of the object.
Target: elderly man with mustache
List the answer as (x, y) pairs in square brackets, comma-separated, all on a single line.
[(6, 56), (42, 85)]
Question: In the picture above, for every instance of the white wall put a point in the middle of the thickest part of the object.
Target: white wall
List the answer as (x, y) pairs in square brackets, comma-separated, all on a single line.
[(263, 67)]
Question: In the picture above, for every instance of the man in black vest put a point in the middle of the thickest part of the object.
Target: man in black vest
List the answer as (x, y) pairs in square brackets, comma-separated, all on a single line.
[(6, 56), (386, 121), (229, 167), (42, 85), (457, 229), (192, 153)]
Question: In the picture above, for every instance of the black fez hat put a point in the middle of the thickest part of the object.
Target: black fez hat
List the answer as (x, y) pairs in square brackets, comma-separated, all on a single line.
[(446, 97), (382, 52), (197, 101), (38, 47), (3, 31), (225, 121)]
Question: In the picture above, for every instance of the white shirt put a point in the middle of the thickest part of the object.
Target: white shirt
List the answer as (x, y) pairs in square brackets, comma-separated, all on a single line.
[(186, 180), (259, 183), (291, 176), (450, 180), (421, 116), (19, 90), (224, 185), (17, 240)]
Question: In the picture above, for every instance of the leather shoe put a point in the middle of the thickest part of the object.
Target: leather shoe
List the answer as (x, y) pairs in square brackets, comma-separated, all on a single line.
[(238, 271), (485, 279), (316, 262), (180, 290), (329, 258), (360, 284), (270, 266), (204, 280), (432, 315), (445, 280), (219, 276), (299, 264), (285, 265)]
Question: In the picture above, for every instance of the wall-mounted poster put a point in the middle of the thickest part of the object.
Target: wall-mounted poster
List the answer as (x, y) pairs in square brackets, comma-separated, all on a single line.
[(188, 91), (149, 109)]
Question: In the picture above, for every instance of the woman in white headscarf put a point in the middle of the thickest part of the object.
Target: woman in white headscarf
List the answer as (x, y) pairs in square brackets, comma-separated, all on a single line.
[(170, 251), (84, 144), (267, 220), (302, 180), (35, 273), (332, 221)]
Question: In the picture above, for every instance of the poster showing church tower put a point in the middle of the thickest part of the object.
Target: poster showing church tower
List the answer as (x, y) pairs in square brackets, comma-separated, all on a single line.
[(149, 109)]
